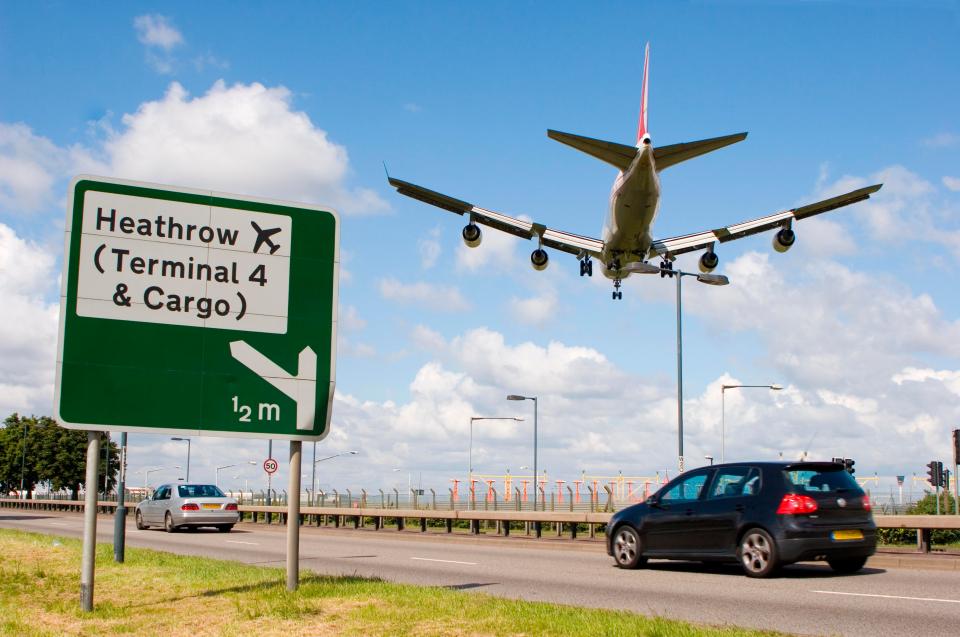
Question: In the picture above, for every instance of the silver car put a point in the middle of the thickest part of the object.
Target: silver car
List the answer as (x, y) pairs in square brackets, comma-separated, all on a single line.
[(188, 506)]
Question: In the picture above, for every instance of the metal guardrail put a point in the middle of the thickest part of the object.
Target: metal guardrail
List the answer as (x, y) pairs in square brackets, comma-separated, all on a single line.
[(923, 524)]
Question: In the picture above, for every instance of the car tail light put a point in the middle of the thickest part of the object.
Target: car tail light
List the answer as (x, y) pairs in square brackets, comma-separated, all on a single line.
[(794, 504), (190, 506), (866, 503), (232, 506)]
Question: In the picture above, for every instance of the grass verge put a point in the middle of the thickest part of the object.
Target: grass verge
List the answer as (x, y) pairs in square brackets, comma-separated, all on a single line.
[(157, 593)]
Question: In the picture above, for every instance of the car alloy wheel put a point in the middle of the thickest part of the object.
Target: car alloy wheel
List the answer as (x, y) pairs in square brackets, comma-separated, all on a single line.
[(168, 523), (140, 525), (758, 553), (626, 548)]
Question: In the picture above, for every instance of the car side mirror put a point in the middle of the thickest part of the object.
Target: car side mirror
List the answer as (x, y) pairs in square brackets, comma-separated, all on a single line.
[(653, 501)]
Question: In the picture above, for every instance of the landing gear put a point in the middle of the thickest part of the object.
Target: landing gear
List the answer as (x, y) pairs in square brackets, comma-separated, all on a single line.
[(586, 266), (617, 294), (666, 268)]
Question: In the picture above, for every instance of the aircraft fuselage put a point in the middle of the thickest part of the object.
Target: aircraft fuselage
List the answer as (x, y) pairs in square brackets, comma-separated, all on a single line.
[(634, 202)]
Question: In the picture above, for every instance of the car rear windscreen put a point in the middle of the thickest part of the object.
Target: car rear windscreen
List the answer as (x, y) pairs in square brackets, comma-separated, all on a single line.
[(199, 491), (822, 480)]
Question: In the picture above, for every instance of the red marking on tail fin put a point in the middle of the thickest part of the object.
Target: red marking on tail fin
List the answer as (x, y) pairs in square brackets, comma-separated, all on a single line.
[(642, 125)]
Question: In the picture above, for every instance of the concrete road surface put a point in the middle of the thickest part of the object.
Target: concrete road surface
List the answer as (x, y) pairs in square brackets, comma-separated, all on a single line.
[(805, 599)]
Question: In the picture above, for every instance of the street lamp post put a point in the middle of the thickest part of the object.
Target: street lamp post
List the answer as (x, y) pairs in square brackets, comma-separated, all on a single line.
[(534, 399), (710, 459), (474, 419), (723, 410), (187, 440), (709, 279), (23, 459), (147, 472), (227, 466), (313, 476)]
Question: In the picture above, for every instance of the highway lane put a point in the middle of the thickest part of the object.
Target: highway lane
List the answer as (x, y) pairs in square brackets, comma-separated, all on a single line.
[(806, 599)]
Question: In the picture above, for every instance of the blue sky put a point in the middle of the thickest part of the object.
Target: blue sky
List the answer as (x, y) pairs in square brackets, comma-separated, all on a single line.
[(860, 322)]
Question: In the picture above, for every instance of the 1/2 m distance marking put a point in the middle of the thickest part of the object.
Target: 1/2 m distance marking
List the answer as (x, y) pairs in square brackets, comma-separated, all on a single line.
[(266, 412)]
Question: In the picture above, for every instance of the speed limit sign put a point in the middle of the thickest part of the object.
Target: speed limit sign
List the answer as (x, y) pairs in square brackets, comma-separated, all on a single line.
[(270, 466)]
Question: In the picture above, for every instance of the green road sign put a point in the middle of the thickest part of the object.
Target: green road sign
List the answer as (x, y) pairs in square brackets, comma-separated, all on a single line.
[(187, 311)]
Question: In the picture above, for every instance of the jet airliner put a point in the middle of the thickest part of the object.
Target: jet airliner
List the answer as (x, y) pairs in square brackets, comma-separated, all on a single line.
[(627, 242)]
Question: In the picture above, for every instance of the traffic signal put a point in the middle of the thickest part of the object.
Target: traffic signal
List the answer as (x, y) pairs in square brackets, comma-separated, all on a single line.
[(945, 482), (934, 471), (848, 465), (956, 446)]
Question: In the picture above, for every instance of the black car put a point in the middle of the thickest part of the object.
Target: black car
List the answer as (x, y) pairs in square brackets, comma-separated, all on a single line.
[(760, 514)]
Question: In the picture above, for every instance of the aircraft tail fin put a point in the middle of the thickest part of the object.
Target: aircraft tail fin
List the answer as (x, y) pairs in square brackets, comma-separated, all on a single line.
[(666, 156), (643, 135), (618, 155)]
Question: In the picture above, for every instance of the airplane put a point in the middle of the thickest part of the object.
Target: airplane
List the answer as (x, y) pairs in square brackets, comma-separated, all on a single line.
[(263, 236), (627, 243)]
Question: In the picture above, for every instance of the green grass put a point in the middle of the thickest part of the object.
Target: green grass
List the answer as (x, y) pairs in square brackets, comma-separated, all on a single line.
[(157, 593)]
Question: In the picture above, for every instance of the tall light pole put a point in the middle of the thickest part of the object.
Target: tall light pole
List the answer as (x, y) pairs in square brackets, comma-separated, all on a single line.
[(709, 279), (723, 410), (227, 466), (474, 419), (534, 399), (23, 459), (147, 472), (187, 440), (313, 477)]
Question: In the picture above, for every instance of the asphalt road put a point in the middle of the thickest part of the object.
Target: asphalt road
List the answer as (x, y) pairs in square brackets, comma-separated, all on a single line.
[(805, 599)]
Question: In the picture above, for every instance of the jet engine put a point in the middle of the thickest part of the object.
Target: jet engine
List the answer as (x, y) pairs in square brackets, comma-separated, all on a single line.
[(784, 239), (472, 235), (539, 259), (709, 261)]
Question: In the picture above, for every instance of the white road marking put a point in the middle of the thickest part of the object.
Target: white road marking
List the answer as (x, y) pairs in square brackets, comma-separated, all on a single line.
[(58, 524), (240, 542), (914, 599), (427, 559)]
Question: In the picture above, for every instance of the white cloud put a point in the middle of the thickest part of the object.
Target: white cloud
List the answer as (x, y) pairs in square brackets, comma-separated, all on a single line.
[(30, 167), (952, 183), (536, 310), (436, 297), (28, 329), (412, 107), (160, 38), (942, 140), (429, 248), (949, 378), (156, 31), (244, 138)]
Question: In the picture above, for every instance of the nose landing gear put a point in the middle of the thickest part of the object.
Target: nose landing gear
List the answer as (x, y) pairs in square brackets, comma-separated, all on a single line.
[(617, 294)]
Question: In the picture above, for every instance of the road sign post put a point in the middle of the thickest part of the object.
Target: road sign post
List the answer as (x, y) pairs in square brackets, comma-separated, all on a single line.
[(195, 313)]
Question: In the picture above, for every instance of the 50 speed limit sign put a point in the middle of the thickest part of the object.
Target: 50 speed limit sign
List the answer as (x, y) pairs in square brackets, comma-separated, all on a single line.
[(270, 466)]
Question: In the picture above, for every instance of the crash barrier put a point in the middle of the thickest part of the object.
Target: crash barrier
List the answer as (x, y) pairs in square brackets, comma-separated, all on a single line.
[(533, 521)]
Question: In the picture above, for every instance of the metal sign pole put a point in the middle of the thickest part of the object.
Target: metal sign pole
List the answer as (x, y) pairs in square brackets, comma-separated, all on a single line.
[(293, 517), (120, 518), (89, 522)]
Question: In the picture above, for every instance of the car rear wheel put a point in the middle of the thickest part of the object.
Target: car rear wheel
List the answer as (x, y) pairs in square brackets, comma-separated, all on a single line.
[(758, 554), (224, 528), (168, 523), (847, 564), (627, 549), (139, 519)]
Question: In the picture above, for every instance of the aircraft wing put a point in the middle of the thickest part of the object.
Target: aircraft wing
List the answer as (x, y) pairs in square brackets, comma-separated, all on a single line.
[(563, 241), (688, 243)]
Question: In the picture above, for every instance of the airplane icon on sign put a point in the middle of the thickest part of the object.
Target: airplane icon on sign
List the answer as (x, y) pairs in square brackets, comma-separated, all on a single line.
[(263, 236)]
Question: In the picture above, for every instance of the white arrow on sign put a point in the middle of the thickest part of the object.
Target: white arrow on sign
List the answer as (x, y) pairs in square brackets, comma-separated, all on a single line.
[(302, 388)]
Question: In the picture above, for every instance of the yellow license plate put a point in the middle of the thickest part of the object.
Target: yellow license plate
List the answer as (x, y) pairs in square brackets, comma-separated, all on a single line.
[(211, 506), (847, 535)]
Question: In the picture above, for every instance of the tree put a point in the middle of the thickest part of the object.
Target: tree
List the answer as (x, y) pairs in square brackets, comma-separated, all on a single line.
[(53, 454)]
